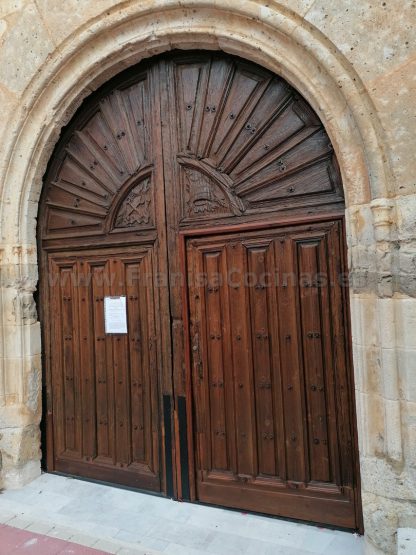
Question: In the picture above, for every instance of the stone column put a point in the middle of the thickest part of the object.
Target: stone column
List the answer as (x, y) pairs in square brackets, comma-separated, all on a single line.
[(383, 306), (20, 368)]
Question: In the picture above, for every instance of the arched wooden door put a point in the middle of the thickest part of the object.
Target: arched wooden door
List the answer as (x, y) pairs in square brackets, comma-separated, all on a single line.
[(193, 293)]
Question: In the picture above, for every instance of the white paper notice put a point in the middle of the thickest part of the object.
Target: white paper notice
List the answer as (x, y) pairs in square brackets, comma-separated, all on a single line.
[(115, 314)]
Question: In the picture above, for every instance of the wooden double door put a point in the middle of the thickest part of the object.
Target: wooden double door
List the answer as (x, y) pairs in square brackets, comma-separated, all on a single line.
[(201, 194)]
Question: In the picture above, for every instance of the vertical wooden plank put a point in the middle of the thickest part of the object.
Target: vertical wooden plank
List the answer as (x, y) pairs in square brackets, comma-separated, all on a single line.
[(87, 362), (296, 459), (121, 373), (214, 369), (103, 370), (194, 86), (274, 271), (261, 341), (198, 370), (68, 311), (138, 355), (228, 368), (186, 315), (57, 365), (188, 81), (325, 285), (147, 296), (242, 88), (242, 362), (201, 364), (313, 363), (217, 88)]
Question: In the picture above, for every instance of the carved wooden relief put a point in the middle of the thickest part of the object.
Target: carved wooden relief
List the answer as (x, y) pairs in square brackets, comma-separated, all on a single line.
[(207, 194), (136, 210)]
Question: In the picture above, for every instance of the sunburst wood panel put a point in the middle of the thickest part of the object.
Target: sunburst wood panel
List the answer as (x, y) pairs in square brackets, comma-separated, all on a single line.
[(253, 130), (246, 141), (102, 157)]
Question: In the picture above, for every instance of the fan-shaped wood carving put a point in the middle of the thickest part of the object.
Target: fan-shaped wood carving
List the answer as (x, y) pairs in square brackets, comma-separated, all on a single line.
[(255, 129), (241, 140), (99, 157)]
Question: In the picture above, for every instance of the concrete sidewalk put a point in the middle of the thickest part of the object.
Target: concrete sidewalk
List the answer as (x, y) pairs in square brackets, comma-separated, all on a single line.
[(114, 520)]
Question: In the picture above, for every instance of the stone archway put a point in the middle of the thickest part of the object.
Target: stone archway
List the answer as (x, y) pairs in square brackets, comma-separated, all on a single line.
[(274, 37)]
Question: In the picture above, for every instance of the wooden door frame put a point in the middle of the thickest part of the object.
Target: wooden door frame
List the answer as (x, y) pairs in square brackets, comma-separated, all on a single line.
[(188, 459), (182, 453)]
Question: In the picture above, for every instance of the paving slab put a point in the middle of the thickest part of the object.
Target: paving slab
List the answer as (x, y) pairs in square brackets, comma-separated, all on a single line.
[(124, 522)]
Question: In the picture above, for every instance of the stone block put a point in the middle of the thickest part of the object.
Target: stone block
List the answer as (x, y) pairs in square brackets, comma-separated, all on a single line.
[(407, 374), (395, 101), (387, 322), (20, 453), (365, 329), (406, 541), (361, 228), (393, 430), (350, 25), (367, 366), (406, 221), (63, 18), (371, 424), (18, 476), (380, 523), (406, 323), (23, 340), (25, 46), (389, 374)]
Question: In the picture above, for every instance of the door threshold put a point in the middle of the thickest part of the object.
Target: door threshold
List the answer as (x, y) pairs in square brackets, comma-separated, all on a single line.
[(110, 484), (275, 517)]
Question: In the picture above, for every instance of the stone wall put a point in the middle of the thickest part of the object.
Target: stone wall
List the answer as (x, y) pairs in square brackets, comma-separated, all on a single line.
[(355, 62)]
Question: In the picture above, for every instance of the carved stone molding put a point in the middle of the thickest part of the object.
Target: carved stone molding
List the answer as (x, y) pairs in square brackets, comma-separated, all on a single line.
[(24, 306), (383, 218)]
